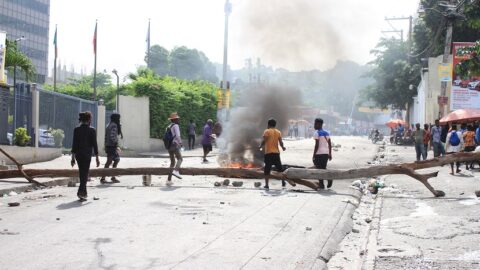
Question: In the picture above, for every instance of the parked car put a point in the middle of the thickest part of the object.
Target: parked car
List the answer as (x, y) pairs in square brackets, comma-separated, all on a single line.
[(464, 83), (473, 84), (45, 138), (457, 82)]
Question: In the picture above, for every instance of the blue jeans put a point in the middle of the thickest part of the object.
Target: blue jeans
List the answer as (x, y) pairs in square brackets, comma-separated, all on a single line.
[(420, 149), (438, 149)]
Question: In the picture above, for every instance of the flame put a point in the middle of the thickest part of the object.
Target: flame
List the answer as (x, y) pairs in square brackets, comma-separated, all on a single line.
[(238, 165)]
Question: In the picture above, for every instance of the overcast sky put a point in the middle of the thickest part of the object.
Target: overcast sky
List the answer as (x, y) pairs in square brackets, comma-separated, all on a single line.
[(326, 30)]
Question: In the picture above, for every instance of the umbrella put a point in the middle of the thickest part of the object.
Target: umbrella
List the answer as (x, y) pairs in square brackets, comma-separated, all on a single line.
[(392, 123), (461, 115)]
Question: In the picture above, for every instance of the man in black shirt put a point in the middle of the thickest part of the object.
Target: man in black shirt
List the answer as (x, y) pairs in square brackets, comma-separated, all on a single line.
[(84, 144)]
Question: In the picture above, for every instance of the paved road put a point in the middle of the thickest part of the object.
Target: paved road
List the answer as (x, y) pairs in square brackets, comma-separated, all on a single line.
[(190, 226)]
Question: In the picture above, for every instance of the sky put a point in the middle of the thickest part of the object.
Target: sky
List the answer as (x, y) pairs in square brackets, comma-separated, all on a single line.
[(292, 34)]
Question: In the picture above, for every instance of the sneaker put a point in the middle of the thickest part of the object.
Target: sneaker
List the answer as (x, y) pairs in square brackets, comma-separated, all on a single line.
[(458, 170), (205, 161), (115, 180), (321, 185), (284, 184), (177, 174), (329, 184), (102, 180), (169, 183), (266, 187)]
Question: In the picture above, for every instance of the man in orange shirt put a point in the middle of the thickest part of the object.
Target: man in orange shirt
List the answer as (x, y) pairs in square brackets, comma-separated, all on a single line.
[(272, 137)]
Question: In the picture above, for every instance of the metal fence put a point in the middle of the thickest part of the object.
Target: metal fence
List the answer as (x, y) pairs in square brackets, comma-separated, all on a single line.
[(59, 111), (56, 111)]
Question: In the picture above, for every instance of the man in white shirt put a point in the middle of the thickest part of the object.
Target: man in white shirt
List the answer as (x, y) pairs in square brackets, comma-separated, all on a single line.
[(175, 148), (322, 152), (454, 144)]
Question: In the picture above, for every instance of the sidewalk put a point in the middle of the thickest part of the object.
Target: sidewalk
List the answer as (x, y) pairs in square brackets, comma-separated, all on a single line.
[(413, 230)]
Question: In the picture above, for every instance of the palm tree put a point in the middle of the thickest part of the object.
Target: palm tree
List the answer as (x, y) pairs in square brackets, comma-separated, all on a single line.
[(16, 59)]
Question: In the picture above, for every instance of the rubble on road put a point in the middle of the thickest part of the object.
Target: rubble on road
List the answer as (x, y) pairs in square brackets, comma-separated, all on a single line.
[(237, 183), (13, 204), (226, 182)]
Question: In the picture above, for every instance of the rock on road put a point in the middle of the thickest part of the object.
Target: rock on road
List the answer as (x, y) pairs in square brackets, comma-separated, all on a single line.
[(192, 225)]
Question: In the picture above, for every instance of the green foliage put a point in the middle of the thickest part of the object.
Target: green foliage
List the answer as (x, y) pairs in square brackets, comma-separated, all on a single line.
[(193, 100), (183, 63), (15, 58), (83, 88), (58, 136), (393, 75), (21, 137)]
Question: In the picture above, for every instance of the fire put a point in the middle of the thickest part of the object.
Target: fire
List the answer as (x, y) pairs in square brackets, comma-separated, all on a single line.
[(238, 165)]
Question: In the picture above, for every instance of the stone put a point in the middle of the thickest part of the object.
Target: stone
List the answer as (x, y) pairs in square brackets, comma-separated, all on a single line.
[(217, 184), (96, 198), (226, 182), (237, 183), (368, 220), (71, 184), (308, 228), (355, 230), (477, 193), (205, 223), (58, 218), (13, 204), (222, 202), (257, 184)]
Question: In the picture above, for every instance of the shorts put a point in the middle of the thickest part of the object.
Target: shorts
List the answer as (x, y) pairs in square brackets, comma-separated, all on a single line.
[(320, 161), (112, 153), (271, 160), (207, 147)]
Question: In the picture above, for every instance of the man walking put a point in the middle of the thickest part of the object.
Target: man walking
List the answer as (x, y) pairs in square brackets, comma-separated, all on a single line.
[(207, 137), (173, 135), (191, 135), (113, 130), (272, 137), (454, 144), (436, 136), (322, 152), (419, 134), (426, 139)]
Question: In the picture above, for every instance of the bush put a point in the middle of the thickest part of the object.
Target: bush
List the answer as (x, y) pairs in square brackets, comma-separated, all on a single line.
[(58, 136), (21, 137), (193, 100)]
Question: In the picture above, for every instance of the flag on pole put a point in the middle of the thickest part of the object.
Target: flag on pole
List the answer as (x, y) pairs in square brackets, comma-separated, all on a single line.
[(148, 44), (55, 42), (95, 40)]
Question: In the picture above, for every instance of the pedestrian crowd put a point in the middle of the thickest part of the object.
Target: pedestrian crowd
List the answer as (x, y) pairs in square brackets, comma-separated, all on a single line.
[(85, 146), (447, 139)]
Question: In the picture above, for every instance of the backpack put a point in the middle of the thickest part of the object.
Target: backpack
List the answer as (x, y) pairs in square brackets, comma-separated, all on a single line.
[(168, 137), (454, 139)]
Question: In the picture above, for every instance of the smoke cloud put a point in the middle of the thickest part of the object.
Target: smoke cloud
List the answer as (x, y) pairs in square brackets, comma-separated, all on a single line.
[(295, 34), (247, 122)]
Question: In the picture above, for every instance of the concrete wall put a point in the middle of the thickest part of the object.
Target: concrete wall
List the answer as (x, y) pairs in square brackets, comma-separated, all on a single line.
[(101, 125), (433, 89), (27, 155), (135, 119)]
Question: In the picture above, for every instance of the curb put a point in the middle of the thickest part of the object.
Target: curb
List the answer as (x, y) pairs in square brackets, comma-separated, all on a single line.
[(50, 183), (339, 229)]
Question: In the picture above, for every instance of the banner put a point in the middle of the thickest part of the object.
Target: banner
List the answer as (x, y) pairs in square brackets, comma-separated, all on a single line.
[(3, 50), (445, 72), (465, 92)]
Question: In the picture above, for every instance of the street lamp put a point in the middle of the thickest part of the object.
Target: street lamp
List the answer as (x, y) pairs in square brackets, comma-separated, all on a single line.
[(118, 90)]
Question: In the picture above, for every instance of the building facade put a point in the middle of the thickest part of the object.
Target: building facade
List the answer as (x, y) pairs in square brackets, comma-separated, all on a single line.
[(29, 19)]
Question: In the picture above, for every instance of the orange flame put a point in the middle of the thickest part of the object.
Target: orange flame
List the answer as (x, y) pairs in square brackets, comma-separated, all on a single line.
[(238, 165)]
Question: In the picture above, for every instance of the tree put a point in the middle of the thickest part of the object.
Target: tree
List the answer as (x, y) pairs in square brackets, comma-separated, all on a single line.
[(159, 60), (183, 63), (15, 58), (393, 74), (430, 28)]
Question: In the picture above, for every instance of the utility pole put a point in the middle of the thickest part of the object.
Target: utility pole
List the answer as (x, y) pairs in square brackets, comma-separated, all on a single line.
[(223, 112), (442, 99), (410, 44)]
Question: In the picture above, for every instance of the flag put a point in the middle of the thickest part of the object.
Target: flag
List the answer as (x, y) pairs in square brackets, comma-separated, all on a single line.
[(55, 42), (95, 40)]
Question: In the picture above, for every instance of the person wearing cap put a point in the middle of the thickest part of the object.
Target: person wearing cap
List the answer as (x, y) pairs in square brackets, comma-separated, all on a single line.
[(174, 150), (207, 139)]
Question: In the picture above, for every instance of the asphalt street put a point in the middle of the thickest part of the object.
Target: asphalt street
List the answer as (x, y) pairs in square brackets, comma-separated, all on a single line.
[(192, 225)]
